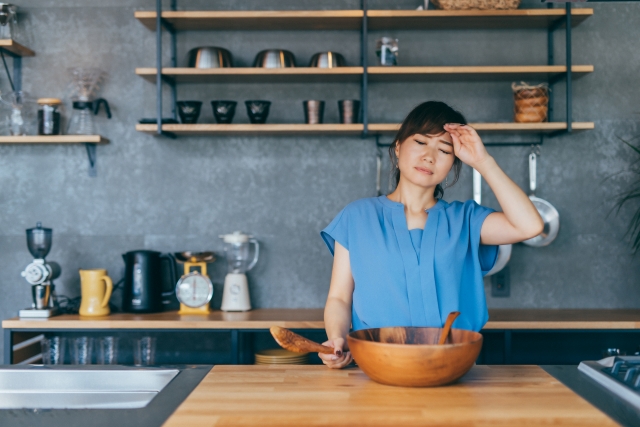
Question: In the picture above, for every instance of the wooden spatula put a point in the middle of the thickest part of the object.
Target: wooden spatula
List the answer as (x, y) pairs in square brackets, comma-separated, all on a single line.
[(296, 343), (447, 326)]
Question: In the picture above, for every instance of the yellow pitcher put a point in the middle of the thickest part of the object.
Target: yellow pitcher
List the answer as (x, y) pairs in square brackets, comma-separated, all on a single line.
[(96, 288)]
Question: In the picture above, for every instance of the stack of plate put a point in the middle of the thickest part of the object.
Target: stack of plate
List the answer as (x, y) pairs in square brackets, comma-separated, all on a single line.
[(278, 356)]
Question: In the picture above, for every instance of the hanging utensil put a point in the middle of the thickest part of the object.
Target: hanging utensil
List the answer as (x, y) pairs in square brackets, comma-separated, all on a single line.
[(549, 214), (504, 251)]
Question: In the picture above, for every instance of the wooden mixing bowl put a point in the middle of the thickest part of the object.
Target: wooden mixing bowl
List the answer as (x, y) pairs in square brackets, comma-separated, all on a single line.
[(410, 357)]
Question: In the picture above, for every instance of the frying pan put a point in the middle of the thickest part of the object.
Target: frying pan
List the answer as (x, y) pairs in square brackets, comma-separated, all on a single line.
[(504, 251), (549, 214)]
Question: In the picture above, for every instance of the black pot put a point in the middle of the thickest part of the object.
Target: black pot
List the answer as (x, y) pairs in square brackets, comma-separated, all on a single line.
[(189, 111), (224, 111), (258, 111)]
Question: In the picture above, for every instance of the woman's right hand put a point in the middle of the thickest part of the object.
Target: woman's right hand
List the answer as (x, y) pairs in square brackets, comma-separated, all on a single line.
[(339, 359)]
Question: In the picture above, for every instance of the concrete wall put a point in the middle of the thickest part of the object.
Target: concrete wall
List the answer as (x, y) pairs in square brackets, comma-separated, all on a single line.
[(172, 195)]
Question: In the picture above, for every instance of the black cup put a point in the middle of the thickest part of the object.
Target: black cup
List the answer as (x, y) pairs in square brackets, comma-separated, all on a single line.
[(349, 110), (224, 111), (258, 111), (313, 111), (189, 111)]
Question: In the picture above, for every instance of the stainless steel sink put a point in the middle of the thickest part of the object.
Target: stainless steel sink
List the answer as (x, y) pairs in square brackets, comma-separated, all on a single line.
[(76, 387)]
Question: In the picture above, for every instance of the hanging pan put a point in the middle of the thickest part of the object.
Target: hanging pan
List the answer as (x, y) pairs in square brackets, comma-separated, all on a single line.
[(549, 214), (504, 251)]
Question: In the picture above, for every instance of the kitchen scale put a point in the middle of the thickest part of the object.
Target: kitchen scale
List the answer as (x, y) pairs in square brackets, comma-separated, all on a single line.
[(194, 290)]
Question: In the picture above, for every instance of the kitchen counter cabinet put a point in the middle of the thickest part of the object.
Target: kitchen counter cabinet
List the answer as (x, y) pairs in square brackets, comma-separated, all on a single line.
[(518, 336), (315, 395)]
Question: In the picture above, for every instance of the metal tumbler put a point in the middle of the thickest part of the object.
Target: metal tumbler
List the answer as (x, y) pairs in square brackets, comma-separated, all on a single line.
[(313, 112), (349, 110)]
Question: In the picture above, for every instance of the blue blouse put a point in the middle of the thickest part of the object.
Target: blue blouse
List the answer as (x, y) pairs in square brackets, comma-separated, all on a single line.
[(399, 284)]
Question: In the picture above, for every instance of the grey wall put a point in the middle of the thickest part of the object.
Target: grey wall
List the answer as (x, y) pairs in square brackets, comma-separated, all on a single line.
[(172, 195)]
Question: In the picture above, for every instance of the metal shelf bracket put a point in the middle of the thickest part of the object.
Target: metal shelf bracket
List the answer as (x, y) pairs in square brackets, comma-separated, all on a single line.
[(92, 156)]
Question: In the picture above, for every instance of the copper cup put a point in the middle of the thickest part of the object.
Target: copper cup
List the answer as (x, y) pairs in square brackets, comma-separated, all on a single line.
[(349, 110), (313, 112)]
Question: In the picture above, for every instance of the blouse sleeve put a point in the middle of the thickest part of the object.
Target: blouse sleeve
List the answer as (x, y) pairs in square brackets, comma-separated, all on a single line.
[(337, 231), (487, 254)]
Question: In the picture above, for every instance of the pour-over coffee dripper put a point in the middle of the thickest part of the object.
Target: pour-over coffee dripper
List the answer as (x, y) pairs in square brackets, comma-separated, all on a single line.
[(85, 83), (21, 114)]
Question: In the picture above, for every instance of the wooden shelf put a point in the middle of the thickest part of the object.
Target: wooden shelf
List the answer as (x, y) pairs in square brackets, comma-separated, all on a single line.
[(54, 139), (266, 129), (256, 20), (471, 19), (15, 48), (352, 129), (469, 73), (353, 74), (499, 127), (255, 75), (352, 19)]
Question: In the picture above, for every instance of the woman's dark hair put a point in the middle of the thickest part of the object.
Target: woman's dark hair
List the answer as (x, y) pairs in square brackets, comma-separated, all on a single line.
[(427, 118)]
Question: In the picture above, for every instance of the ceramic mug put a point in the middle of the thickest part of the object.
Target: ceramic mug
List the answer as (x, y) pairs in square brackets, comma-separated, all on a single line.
[(96, 287)]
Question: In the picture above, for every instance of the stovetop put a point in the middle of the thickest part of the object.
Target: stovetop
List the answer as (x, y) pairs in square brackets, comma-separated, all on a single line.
[(618, 374)]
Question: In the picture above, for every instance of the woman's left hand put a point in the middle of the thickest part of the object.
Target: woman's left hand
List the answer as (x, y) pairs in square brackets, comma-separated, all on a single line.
[(467, 145)]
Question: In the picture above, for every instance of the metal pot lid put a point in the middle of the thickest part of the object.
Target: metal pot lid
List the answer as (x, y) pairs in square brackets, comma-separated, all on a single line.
[(188, 256)]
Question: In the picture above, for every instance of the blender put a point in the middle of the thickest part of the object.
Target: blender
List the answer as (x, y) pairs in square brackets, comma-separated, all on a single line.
[(40, 274), (235, 296), (85, 83)]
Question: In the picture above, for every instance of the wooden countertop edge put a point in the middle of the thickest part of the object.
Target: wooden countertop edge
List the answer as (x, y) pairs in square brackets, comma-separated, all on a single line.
[(266, 324)]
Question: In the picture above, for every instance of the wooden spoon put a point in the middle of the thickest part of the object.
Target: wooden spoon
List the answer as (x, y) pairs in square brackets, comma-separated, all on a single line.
[(296, 343), (447, 326)]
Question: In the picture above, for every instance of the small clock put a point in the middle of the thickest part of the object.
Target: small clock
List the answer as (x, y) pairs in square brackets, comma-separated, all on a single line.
[(194, 291)]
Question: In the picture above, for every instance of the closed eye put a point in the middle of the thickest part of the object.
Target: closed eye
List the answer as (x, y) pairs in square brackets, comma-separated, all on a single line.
[(446, 152)]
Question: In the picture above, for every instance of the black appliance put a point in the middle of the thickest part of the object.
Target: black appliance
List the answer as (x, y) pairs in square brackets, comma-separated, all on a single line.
[(149, 282)]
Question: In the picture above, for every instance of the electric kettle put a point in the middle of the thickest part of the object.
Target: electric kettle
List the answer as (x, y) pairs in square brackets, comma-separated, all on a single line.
[(149, 279)]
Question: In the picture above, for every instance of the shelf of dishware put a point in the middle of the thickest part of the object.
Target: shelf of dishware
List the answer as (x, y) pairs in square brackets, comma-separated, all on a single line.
[(352, 19), (353, 74), (344, 129), (255, 75), (15, 48), (54, 139), (261, 129)]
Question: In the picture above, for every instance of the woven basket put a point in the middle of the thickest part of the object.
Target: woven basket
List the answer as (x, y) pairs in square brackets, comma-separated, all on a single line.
[(475, 4)]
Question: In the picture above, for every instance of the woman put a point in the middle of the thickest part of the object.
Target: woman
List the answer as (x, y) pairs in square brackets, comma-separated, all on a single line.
[(410, 258)]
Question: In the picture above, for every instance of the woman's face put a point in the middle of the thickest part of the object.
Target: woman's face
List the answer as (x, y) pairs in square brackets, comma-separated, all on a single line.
[(425, 160)]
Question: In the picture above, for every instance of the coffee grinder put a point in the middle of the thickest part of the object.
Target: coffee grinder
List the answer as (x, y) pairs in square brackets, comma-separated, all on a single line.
[(40, 274)]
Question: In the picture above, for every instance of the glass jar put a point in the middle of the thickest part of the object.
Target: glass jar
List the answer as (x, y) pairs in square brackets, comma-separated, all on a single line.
[(49, 116), (387, 51)]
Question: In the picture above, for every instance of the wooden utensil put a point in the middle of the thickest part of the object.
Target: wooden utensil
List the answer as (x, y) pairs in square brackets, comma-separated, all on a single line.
[(447, 327), (296, 343)]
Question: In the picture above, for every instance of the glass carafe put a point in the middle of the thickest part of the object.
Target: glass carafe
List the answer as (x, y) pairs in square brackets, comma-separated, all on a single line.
[(82, 122), (237, 249)]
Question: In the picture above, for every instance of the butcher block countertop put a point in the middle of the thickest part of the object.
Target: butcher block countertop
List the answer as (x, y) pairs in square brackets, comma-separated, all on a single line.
[(315, 395), (312, 318)]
